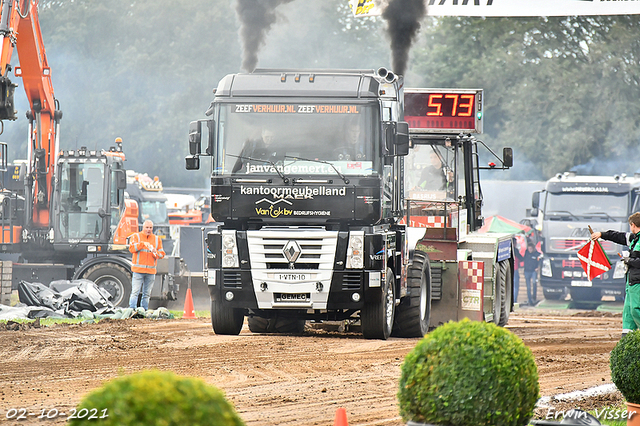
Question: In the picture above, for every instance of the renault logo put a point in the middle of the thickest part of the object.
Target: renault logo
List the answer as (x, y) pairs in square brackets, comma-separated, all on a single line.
[(291, 251)]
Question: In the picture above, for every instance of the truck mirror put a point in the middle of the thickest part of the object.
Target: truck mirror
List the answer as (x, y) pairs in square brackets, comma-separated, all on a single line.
[(193, 162), (211, 125), (121, 179), (389, 137), (507, 157), (535, 200), (195, 137), (402, 138)]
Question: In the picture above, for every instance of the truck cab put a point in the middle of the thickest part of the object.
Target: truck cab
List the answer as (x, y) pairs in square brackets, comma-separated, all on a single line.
[(568, 205), (306, 176), (308, 182)]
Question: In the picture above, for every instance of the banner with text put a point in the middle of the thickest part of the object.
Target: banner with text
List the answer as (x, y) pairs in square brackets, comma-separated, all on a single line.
[(502, 8)]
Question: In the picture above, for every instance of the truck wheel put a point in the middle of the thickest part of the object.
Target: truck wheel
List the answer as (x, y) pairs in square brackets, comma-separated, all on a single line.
[(113, 278), (226, 320), (377, 315), (285, 325), (506, 286), (498, 291), (414, 311)]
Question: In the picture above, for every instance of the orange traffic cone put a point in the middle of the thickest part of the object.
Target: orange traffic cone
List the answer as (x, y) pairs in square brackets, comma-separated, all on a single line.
[(341, 417), (188, 312)]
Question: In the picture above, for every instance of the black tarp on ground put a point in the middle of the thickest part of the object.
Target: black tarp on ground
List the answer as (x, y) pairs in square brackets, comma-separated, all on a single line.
[(74, 297)]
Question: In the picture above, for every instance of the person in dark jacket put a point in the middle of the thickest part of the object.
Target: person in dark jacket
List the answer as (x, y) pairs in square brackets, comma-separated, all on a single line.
[(531, 266), (517, 265), (631, 309)]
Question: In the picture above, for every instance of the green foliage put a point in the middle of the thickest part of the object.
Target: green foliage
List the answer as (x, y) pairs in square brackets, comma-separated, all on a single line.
[(469, 373), (625, 366), (561, 91), (157, 398)]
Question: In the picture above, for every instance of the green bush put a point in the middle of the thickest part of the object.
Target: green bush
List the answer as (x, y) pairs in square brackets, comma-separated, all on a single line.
[(469, 373), (156, 398), (625, 366)]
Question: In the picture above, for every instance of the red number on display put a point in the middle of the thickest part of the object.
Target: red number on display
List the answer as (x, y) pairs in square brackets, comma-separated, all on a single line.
[(437, 106), (462, 105), (468, 105)]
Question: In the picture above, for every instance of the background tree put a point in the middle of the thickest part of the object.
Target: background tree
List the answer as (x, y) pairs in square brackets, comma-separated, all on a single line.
[(561, 91)]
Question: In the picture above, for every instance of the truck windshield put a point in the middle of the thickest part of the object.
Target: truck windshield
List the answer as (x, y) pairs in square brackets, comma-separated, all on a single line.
[(578, 206), (81, 197), (155, 211), (257, 138), (430, 173)]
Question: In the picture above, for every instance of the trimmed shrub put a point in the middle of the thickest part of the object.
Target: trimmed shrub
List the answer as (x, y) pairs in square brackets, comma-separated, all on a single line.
[(156, 398), (469, 373), (625, 366)]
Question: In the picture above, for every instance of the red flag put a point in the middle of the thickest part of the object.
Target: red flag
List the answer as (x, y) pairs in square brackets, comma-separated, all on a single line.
[(593, 259)]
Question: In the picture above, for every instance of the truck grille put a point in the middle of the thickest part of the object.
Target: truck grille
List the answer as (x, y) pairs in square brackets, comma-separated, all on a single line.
[(436, 283), (569, 245), (351, 281), (571, 263), (312, 249), (231, 279)]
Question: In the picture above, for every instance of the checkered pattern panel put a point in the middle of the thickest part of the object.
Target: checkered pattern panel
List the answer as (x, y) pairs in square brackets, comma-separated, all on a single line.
[(435, 221), (473, 272)]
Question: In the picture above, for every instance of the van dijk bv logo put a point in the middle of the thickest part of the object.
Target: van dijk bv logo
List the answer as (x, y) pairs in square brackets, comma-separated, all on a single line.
[(283, 195)]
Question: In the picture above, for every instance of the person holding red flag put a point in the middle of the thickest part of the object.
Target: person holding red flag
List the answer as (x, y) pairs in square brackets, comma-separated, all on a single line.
[(631, 309)]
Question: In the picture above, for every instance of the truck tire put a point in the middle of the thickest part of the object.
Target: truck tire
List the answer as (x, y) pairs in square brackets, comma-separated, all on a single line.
[(414, 311), (507, 292), (377, 315), (498, 291), (226, 320), (113, 278), (277, 324)]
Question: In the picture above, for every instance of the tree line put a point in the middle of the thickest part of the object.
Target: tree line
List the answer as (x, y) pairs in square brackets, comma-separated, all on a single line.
[(561, 91)]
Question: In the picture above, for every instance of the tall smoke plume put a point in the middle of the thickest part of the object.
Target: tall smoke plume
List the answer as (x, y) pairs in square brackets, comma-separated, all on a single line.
[(256, 18), (403, 23)]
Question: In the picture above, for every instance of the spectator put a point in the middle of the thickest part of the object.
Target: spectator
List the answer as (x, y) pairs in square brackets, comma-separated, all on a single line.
[(517, 263), (531, 267), (631, 309), (146, 249)]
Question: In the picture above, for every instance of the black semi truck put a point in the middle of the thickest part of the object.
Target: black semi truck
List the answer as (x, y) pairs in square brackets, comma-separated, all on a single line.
[(307, 180)]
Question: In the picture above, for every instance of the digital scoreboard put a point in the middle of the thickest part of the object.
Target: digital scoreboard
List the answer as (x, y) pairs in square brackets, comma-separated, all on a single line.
[(446, 111)]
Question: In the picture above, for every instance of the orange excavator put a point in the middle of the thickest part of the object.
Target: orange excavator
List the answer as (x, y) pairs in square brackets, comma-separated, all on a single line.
[(66, 215), (20, 28)]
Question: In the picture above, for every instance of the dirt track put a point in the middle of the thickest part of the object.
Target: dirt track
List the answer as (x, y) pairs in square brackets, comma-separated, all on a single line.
[(273, 379)]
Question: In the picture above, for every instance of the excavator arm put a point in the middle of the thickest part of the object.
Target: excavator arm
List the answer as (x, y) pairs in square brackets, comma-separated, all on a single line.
[(20, 29)]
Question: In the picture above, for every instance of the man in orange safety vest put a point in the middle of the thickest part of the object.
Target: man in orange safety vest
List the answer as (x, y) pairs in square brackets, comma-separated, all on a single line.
[(146, 249)]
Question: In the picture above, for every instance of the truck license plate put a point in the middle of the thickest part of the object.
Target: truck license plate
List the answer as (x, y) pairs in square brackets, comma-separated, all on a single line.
[(576, 283), (292, 297), (292, 277)]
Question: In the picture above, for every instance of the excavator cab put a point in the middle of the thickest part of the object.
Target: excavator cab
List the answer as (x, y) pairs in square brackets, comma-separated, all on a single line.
[(89, 199)]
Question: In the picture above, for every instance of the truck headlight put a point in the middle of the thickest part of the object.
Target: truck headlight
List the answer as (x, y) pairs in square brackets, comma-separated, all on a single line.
[(355, 253), (546, 268), (229, 249), (619, 270)]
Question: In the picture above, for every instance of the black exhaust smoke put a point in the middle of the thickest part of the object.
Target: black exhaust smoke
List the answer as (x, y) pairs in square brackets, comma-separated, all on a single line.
[(256, 18), (403, 23)]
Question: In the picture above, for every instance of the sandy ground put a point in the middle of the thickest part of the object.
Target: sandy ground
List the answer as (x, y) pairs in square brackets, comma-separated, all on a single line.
[(276, 379)]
